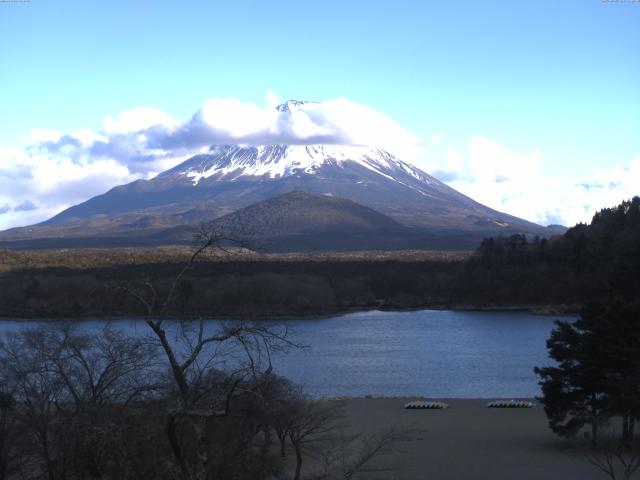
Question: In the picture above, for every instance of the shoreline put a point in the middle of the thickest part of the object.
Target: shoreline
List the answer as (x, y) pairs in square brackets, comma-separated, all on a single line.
[(346, 398), (539, 310)]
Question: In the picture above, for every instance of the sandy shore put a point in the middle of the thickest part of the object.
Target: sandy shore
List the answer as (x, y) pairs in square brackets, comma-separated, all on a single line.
[(470, 441)]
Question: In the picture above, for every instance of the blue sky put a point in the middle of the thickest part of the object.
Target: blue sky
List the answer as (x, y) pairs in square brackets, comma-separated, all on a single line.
[(555, 83)]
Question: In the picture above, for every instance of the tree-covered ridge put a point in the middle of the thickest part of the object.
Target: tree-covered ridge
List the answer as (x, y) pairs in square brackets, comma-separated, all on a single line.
[(612, 233), (587, 262), (595, 380)]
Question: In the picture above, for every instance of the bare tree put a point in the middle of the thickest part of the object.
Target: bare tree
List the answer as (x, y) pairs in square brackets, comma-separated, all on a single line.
[(194, 400), (312, 421), (39, 392), (108, 368), (9, 436), (317, 433), (617, 459), (70, 389), (102, 375), (349, 456), (193, 351), (284, 407)]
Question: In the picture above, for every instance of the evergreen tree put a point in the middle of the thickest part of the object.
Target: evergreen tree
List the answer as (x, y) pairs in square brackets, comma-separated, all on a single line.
[(620, 323), (573, 390), (597, 375)]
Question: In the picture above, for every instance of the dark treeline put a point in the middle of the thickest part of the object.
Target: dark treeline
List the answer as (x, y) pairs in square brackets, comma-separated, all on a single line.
[(259, 288), (586, 263)]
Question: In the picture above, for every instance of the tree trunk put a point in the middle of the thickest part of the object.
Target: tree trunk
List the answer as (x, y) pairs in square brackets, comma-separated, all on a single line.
[(4, 458), (51, 470), (283, 446), (266, 442), (594, 420), (627, 430), (298, 450), (51, 473), (172, 436), (178, 373), (202, 454)]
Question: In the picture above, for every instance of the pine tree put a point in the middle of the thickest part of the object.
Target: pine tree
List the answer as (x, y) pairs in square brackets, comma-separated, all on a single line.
[(573, 390), (597, 375), (621, 340)]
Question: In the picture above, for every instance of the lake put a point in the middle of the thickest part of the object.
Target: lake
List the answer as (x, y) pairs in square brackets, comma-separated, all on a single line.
[(435, 353)]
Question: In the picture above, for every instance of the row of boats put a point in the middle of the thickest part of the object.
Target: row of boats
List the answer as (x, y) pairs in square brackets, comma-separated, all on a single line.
[(437, 405)]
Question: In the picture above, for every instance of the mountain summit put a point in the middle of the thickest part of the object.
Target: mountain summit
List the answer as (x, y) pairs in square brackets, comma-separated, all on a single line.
[(290, 105)]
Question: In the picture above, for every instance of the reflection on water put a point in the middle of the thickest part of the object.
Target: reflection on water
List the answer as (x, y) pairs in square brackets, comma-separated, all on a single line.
[(432, 353)]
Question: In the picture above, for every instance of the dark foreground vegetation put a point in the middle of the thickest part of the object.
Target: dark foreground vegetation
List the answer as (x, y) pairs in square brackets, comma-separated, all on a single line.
[(560, 273), (181, 400), (178, 403)]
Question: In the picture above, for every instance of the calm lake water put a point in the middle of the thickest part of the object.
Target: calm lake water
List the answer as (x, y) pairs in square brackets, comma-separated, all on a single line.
[(427, 352)]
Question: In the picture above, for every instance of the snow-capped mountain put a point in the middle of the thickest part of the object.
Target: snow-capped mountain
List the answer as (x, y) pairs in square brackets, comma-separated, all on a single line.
[(230, 177), (291, 105), (230, 162), (233, 176)]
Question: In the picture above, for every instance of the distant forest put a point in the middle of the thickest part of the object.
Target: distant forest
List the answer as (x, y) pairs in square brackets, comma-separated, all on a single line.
[(588, 262)]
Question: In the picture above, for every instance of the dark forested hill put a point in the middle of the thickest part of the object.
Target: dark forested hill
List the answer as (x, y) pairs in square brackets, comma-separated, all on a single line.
[(588, 262)]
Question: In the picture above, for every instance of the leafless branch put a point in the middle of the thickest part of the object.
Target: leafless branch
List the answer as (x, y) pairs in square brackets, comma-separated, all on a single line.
[(613, 458)]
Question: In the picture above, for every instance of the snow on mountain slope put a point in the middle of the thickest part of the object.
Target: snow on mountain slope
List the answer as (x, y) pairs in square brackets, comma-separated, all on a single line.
[(230, 162)]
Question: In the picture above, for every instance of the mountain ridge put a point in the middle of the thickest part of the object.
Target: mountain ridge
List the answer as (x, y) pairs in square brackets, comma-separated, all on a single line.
[(375, 179)]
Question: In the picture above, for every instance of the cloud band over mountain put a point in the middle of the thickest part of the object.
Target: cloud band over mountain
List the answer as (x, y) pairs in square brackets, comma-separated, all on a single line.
[(54, 170)]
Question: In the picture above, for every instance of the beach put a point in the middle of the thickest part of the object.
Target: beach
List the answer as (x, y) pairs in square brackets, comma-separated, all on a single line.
[(468, 441)]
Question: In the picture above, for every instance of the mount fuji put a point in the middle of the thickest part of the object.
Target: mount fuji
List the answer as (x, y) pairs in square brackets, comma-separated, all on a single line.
[(229, 178)]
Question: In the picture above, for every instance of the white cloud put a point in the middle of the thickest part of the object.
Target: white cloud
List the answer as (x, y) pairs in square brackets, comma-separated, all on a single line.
[(235, 119), (135, 120), (55, 170), (339, 121), (37, 135), (273, 100), (35, 185), (514, 183)]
